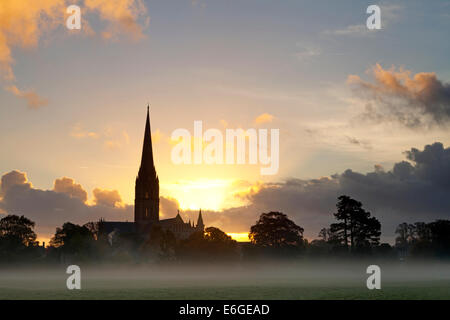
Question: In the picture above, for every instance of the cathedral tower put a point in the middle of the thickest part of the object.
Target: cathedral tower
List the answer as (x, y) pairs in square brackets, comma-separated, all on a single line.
[(146, 202)]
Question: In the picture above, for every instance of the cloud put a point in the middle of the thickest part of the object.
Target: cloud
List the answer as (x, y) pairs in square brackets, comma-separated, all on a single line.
[(69, 187), (13, 178), (389, 14), (264, 118), (306, 52), (107, 198), (122, 15), (23, 23), (420, 100), (362, 143), (351, 30), (168, 207), (112, 138), (51, 208), (34, 101), (80, 133)]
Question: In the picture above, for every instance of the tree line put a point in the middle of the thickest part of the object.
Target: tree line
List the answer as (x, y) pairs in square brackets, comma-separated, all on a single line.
[(354, 233)]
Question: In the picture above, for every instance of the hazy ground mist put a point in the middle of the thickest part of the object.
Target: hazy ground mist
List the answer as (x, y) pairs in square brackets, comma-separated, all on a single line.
[(265, 280)]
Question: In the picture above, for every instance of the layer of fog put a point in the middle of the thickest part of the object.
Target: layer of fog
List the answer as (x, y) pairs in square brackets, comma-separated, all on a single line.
[(267, 274)]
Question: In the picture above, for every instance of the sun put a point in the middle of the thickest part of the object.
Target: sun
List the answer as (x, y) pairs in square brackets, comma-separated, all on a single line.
[(208, 194)]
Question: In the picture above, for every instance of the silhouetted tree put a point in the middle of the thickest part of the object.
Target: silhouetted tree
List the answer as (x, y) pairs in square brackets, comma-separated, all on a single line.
[(160, 245), (74, 240), (324, 234), (17, 231), (440, 237), (17, 238), (424, 239), (275, 229), (217, 235), (211, 245), (93, 227), (404, 235), (356, 229)]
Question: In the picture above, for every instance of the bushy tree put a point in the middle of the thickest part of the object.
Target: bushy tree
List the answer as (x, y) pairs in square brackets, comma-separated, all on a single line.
[(17, 231), (17, 239), (275, 229), (211, 245), (73, 239)]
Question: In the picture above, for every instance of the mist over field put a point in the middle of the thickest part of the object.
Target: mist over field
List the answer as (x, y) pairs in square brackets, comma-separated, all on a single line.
[(264, 280)]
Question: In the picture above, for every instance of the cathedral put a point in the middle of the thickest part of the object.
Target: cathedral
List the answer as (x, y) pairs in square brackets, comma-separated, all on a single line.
[(146, 202)]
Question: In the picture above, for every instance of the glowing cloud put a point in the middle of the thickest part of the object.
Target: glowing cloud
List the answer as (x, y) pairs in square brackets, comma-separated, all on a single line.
[(107, 198), (22, 24), (34, 101), (13, 178), (69, 187), (264, 118), (413, 100)]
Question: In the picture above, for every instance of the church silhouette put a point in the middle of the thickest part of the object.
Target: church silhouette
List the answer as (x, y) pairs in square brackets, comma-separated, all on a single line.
[(146, 203)]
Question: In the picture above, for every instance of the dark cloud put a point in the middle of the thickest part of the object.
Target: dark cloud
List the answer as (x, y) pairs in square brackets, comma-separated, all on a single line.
[(364, 144), (49, 208), (413, 100), (13, 178)]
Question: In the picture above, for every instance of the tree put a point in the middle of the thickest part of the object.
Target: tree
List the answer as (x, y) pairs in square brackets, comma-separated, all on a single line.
[(73, 239), (420, 231), (440, 237), (275, 229), (211, 245), (159, 245), (324, 234), (356, 227), (424, 239), (216, 235), (17, 231), (404, 237), (93, 227)]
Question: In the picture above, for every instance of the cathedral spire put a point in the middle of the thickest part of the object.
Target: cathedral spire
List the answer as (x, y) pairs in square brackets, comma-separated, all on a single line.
[(200, 224), (146, 202), (147, 165)]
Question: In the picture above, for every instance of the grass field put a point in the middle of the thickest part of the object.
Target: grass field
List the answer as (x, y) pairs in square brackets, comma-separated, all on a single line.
[(313, 281)]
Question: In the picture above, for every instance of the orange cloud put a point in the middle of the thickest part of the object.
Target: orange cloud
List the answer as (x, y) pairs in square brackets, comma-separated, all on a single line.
[(107, 198), (69, 187), (34, 101), (413, 100), (264, 118), (122, 15), (79, 133), (23, 22)]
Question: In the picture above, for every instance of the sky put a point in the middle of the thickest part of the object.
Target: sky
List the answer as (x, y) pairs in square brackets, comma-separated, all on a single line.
[(362, 112)]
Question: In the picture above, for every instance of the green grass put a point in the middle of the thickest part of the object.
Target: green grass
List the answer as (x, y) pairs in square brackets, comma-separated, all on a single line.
[(435, 290), (292, 282)]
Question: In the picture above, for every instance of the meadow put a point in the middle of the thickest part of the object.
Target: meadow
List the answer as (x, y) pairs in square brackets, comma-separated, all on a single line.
[(266, 281)]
